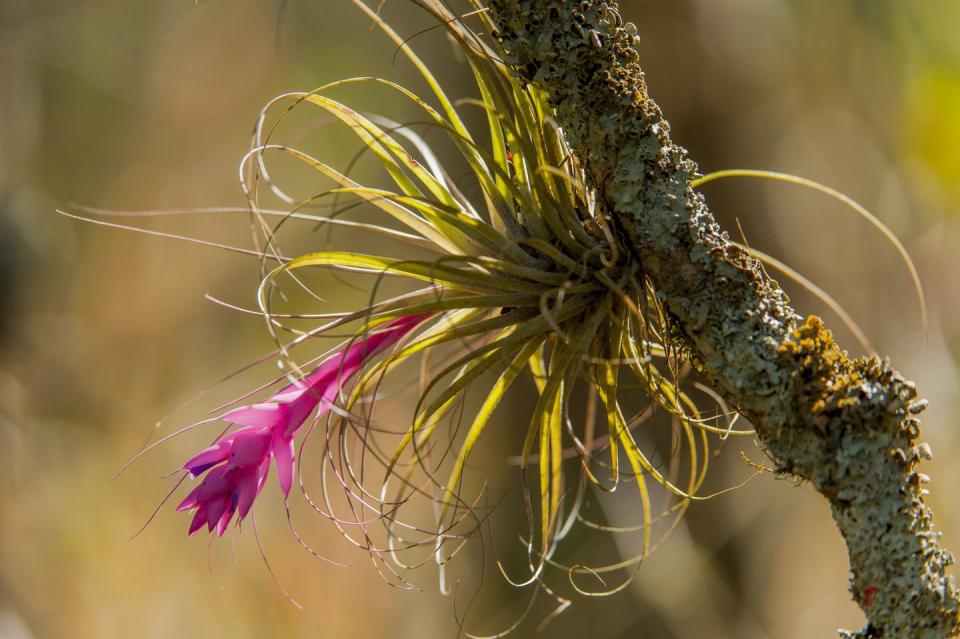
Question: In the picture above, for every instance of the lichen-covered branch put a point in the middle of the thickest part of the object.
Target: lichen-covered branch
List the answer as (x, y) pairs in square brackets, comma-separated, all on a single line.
[(847, 426)]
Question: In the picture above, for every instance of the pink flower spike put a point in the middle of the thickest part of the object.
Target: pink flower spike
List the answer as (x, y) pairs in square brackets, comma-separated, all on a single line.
[(244, 459), (237, 465)]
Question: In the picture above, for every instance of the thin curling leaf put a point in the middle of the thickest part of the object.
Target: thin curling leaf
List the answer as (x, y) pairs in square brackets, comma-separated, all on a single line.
[(471, 367), (844, 199), (405, 216), (605, 383), (489, 173), (556, 374), (424, 70), (474, 363), (490, 403), (501, 158), (553, 425), (433, 163), (434, 273), (483, 239), (391, 154)]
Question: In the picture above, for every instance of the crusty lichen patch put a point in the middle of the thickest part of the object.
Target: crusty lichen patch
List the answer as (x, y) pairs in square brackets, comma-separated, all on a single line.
[(848, 426), (858, 445)]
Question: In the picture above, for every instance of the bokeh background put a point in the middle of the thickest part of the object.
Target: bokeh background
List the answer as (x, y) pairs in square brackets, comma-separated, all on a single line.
[(149, 104)]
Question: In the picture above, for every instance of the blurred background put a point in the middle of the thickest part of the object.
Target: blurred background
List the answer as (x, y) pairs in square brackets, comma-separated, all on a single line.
[(148, 105)]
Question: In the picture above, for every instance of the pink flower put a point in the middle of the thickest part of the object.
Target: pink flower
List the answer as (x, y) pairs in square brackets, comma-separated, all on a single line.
[(238, 464), (232, 486)]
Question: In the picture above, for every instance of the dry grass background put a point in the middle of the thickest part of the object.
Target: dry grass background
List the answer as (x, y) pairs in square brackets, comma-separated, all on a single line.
[(150, 104)]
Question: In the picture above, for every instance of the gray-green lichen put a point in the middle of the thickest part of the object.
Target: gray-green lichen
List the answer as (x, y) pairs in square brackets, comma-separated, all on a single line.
[(847, 426)]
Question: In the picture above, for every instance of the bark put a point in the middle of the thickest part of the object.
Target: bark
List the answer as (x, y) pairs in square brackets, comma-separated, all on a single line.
[(848, 426)]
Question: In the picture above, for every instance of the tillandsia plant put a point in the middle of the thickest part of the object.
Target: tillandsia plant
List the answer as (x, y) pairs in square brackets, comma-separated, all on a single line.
[(528, 279), (545, 275)]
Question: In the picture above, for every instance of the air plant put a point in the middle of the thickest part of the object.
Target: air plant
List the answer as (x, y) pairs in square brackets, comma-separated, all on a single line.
[(530, 279)]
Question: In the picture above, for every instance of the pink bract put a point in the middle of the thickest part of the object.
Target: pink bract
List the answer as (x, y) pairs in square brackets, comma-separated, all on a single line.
[(236, 466)]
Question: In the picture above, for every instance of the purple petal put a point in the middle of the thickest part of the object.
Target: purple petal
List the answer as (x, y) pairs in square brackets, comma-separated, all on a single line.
[(199, 519), (290, 394), (248, 487), (224, 520), (215, 509), (209, 457), (190, 501), (250, 446), (215, 483), (283, 454), (256, 415)]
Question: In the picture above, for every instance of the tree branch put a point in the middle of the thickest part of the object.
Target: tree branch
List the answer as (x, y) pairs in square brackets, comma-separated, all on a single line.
[(849, 427)]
